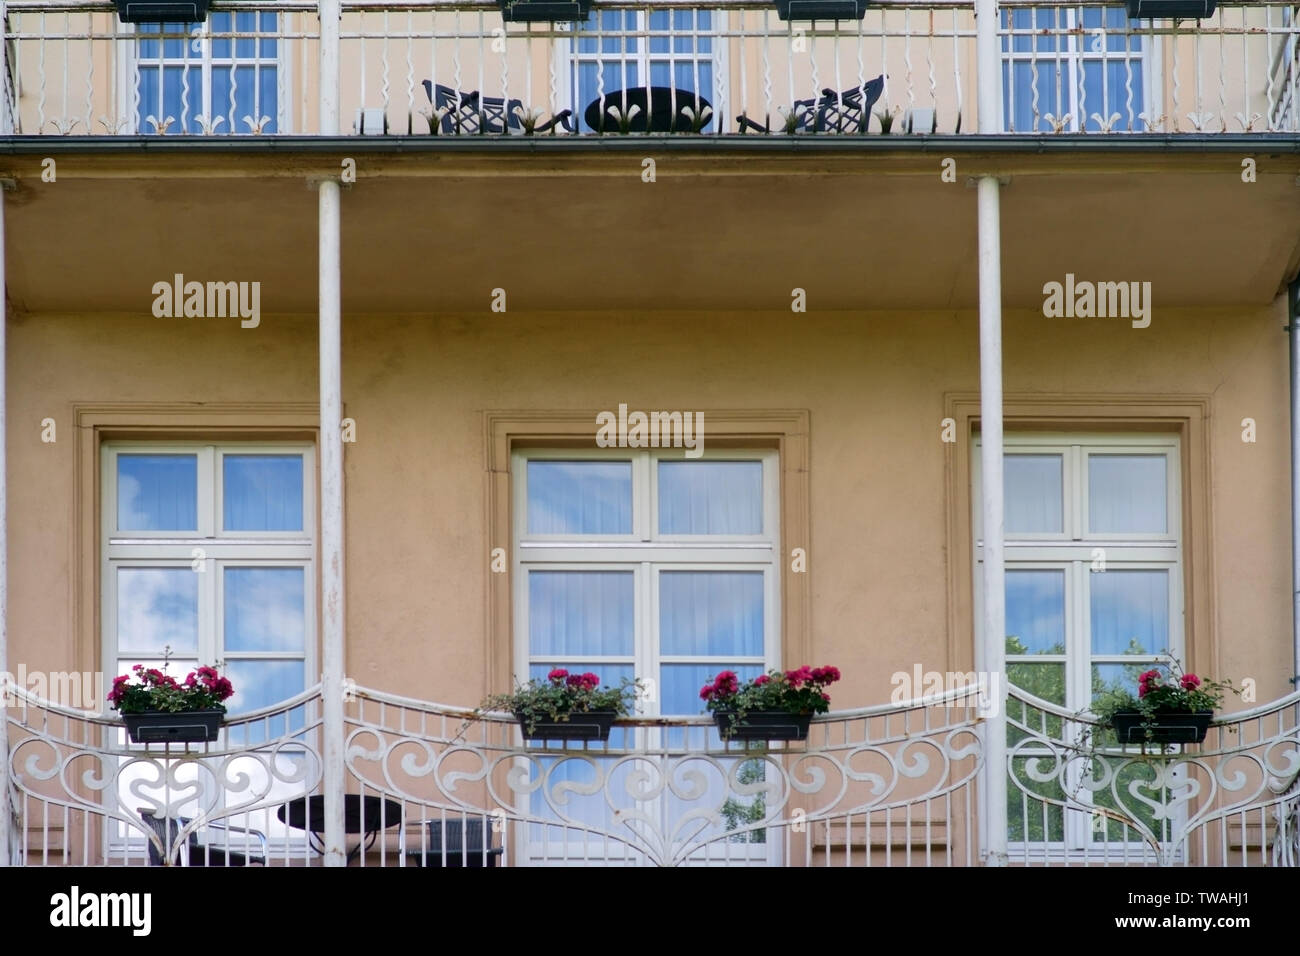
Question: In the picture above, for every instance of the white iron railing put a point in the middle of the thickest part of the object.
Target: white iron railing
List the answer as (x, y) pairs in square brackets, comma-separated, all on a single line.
[(73, 67), (887, 786), (1232, 801), (883, 786)]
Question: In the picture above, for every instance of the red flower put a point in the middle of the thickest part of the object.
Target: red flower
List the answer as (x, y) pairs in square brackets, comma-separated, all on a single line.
[(797, 678), (1190, 682), (706, 692), (825, 675), (558, 674), (761, 679), (725, 684)]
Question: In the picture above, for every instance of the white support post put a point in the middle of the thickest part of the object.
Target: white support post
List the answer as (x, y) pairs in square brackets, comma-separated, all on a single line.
[(992, 652), (331, 456), (6, 811)]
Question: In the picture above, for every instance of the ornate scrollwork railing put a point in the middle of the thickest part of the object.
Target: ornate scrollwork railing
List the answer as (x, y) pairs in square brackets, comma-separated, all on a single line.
[(892, 782), (1230, 801), (82, 792)]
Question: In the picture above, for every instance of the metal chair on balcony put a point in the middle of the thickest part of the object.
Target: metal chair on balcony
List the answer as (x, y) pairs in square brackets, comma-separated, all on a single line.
[(195, 853), (461, 840), (471, 113), (846, 112)]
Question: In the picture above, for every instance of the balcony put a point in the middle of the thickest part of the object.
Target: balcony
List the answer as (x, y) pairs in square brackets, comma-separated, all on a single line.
[(452, 70), (892, 786)]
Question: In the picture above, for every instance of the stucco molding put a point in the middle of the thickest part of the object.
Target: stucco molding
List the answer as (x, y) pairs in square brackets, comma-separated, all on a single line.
[(1188, 415), (787, 430)]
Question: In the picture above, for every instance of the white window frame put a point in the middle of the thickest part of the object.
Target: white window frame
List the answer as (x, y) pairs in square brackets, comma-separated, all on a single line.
[(566, 59), (219, 548), (646, 554), (1070, 61), (130, 62), (1072, 551)]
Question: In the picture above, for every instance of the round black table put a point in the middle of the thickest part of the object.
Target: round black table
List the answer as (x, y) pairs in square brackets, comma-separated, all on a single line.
[(662, 109), (363, 815)]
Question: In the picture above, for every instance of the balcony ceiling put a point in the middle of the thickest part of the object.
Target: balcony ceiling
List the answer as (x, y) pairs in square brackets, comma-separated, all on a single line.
[(573, 230)]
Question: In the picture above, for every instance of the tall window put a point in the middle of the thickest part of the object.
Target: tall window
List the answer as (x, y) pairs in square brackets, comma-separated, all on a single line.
[(1093, 559), (620, 49), (646, 565), (1082, 65), (1094, 591), (220, 77), (208, 551)]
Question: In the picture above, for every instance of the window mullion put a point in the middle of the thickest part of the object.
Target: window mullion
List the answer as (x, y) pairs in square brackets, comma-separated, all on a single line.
[(647, 638)]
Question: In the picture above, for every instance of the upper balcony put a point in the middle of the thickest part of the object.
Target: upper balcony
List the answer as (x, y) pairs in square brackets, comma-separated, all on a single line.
[(723, 68)]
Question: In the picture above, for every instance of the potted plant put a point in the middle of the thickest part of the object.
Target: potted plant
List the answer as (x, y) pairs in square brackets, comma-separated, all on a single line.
[(773, 706), (1177, 710), (157, 708), (567, 706)]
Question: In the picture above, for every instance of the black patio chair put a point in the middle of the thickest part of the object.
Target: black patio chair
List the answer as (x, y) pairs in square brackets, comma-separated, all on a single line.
[(463, 841), (194, 853), (470, 113), (846, 112)]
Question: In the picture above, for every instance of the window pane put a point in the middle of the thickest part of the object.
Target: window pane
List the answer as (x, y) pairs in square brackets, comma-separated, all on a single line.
[(1107, 677), (580, 612), (710, 497), (579, 497), (157, 492), (1036, 612), (260, 684), (1042, 680), (711, 613), (264, 609), (1130, 612), (262, 492), (1126, 493), (680, 684), (1032, 493), (157, 607)]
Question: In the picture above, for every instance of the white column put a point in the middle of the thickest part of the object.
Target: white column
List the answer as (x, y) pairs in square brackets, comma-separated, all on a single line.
[(331, 455), (5, 809), (1293, 336), (992, 653)]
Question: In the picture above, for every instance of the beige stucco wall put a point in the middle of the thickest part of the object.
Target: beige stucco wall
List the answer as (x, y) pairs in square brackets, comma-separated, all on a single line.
[(874, 384)]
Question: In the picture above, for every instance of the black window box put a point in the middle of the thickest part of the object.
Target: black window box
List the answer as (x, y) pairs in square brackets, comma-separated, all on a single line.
[(763, 725), (162, 11), (163, 727), (537, 11), (585, 725), (1198, 9), (821, 9), (1167, 727)]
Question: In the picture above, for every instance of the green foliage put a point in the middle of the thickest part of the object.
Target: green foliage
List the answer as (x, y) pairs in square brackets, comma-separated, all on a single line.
[(736, 813), (561, 695)]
